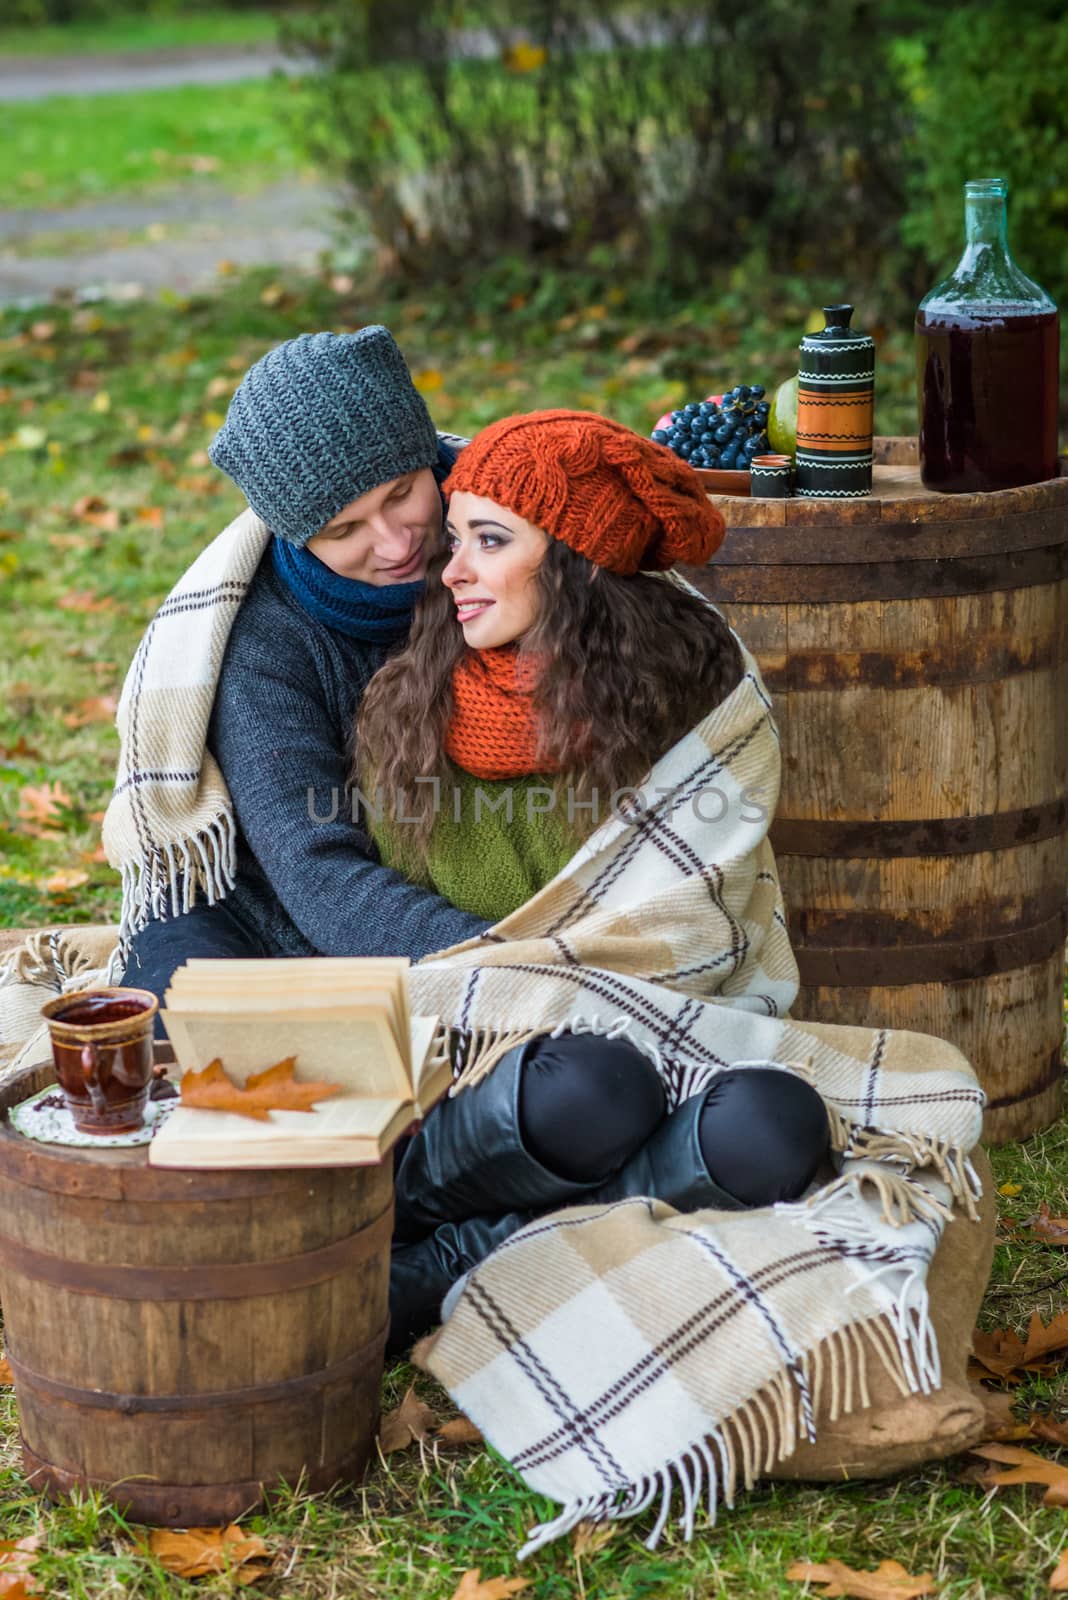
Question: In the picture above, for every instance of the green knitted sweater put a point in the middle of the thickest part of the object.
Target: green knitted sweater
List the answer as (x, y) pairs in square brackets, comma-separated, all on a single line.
[(478, 858)]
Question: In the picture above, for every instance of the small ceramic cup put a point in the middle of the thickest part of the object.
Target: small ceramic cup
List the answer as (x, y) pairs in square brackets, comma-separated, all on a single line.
[(771, 477), (102, 1048)]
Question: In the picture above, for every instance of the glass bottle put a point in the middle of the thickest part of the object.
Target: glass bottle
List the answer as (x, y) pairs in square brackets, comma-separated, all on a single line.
[(987, 347)]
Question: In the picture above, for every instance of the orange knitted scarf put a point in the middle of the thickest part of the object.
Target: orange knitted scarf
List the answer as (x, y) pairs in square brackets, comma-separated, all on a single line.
[(493, 730)]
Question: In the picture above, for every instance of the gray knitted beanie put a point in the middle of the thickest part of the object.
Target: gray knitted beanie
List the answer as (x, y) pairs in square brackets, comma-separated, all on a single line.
[(317, 422)]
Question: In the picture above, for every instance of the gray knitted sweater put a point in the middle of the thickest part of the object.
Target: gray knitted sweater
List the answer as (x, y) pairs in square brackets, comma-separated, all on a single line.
[(282, 716)]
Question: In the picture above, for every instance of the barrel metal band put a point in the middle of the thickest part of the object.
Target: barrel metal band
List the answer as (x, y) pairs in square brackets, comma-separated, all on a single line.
[(849, 582), (365, 1359), (967, 661), (932, 836), (239, 1280), (890, 965), (1053, 1074), (183, 1505)]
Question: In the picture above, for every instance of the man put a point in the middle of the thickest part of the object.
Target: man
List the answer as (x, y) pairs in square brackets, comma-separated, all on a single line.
[(230, 819)]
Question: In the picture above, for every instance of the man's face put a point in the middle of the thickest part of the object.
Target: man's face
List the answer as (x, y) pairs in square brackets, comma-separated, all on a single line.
[(387, 535)]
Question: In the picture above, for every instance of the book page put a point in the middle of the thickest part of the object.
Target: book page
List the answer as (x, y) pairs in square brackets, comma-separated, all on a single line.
[(359, 1052)]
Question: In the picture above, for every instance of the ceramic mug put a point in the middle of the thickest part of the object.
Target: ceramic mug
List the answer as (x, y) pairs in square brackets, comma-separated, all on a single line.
[(102, 1048), (770, 477)]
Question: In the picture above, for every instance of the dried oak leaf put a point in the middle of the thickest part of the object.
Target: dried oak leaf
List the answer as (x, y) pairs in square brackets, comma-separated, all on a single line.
[(273, 1090), (65, 880), (457, 1432), (1059, 1575), (1003, 1354), (1051, 1230), (5, 1372), (473, 1586), (889, 1581), (1001, 1422), (1045, 1428), (84, 599), (95, 708), (197, 1552), (410, 1422), (591, 1537), (40, 808), (1024, 1466), (17, 1557)]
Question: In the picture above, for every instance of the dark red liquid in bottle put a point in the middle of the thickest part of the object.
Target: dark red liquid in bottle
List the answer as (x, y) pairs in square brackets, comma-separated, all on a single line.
[(988, 398)]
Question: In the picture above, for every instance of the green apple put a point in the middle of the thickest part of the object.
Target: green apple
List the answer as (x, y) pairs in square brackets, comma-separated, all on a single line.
[(782, 418)]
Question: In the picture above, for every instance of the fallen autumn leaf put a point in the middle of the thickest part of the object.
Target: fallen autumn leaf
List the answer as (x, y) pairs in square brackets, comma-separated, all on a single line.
[(413, 1420), (1051, 1230), (591, 1537), (17, 1558), (457, 1432), (96, 708), (474, 1587), (196, 1552), (84, 599), (1003, 1354), (66, 879), (39, 808), (889, 1581), (1059, 1575), (1024, 1466)]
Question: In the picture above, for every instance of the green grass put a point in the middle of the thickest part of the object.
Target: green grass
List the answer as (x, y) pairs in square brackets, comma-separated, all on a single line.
[(141, 30), (73, 149)]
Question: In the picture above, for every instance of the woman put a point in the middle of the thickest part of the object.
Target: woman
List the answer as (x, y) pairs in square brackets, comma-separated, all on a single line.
[(548, 662)]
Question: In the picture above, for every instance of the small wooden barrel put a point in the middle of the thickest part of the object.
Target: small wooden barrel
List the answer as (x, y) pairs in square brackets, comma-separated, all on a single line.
[(185, 1341), (916, 648)]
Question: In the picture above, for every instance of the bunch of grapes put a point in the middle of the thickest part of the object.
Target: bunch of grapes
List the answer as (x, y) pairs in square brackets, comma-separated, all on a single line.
[(726, 435)]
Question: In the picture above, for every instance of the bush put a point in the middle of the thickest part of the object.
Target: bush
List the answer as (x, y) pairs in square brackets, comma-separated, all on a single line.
[(660, 143)]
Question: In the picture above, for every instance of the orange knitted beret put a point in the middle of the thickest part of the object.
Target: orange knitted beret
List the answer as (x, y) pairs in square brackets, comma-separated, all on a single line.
[(620, 500)]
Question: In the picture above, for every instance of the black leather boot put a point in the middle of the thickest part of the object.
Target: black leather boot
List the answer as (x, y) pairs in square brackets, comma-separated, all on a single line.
[(469, 1160), (421, 1275)]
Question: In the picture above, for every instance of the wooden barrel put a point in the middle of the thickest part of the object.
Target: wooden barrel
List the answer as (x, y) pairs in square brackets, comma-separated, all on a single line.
[(185, 1341), (916, 649)]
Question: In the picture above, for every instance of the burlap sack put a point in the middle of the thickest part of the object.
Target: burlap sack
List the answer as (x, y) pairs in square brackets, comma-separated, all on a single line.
[(897, 1432)]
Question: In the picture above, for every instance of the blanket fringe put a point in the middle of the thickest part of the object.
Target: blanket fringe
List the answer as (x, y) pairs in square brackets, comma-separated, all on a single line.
[(901, 1200), (167, 880), (476, 1051), (45, 959), (764, 1430), (913, 1151)]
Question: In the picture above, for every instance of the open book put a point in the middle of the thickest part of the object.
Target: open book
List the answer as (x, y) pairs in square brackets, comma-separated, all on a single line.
[(346, 1021)]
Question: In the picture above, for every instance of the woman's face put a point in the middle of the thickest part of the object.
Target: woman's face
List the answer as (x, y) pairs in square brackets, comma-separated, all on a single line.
[(385, 536), (493, 558)]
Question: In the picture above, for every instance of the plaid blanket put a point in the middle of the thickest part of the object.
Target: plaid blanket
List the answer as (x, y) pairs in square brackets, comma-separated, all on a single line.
[(612, 1353), (169, 827)]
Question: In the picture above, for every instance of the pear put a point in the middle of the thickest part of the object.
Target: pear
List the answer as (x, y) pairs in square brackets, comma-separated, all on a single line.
[(782, 418)]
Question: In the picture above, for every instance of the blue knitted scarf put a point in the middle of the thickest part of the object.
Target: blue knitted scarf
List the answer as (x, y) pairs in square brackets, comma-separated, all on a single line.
[(378, 613)]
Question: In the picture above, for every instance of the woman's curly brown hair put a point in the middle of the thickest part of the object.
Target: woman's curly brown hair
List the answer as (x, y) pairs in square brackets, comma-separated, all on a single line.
[(633, 664)]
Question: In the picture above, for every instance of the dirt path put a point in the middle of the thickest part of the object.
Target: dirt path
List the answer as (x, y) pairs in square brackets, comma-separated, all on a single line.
[(43, 253), (38, 77)]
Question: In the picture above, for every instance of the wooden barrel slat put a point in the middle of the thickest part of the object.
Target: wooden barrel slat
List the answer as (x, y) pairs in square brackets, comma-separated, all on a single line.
[(916, 649), (185, 1345)]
